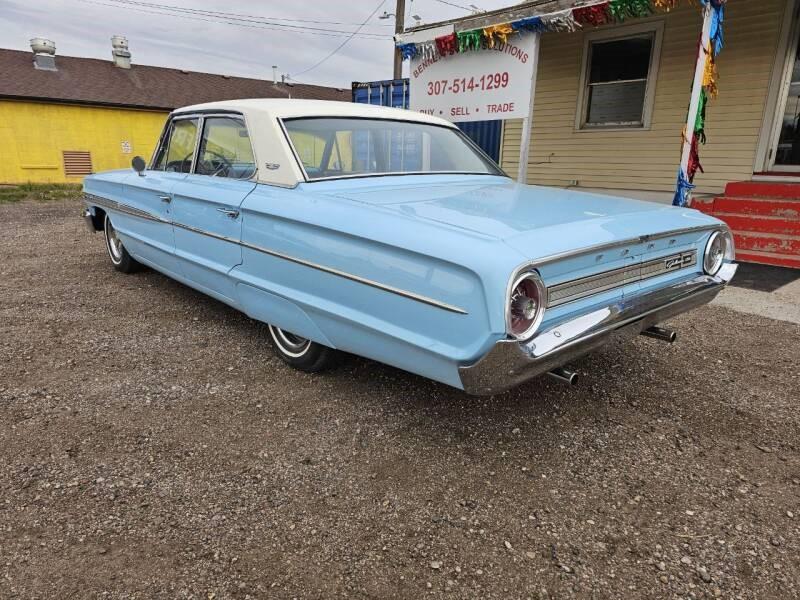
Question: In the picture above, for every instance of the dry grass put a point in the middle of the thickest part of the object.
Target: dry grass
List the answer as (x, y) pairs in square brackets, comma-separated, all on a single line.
[(38, 191)]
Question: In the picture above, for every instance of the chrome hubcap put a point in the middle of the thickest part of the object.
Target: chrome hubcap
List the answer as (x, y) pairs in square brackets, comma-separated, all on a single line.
[(291, 344), (114, 243)]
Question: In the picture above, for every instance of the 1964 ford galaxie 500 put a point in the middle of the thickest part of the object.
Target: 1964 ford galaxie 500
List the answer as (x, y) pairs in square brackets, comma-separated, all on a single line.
[(389, 234)]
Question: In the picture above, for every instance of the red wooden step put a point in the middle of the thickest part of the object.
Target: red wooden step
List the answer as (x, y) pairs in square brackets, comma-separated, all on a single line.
[(766, 258), (783, 209), (760, 224), (761, 242), (759, 189), (704, 205)]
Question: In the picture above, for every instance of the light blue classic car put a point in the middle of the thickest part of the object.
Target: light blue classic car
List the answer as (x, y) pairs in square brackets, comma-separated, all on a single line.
[(389, 234)]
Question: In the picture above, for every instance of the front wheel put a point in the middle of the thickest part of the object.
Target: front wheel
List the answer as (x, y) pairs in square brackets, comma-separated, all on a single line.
[(119, 256), (300, 353)]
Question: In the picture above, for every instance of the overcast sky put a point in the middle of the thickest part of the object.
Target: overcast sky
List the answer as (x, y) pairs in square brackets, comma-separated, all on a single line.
[(84, 28)]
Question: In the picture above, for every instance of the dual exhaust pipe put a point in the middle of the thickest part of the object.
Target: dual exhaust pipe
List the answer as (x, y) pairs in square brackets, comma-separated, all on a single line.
[(657, 333)]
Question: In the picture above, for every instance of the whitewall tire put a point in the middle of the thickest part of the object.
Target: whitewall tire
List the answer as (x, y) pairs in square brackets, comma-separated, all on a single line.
[(120, 259), (300, 353)]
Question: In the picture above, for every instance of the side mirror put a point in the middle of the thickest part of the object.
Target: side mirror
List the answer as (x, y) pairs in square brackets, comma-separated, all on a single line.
[(139, 165)]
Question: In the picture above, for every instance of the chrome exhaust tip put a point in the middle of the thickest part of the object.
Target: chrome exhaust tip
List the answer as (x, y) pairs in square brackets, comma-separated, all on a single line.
[(564, 376), (660, 333)]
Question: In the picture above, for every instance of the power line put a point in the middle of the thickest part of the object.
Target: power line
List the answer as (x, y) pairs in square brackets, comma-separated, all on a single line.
[(236, 21), (231, 14), (342, 45), (234, 16), (455, 5), (226, 17)]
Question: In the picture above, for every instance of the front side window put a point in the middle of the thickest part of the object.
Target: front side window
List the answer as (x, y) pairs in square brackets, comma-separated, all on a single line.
[(619, 80), (345, 147), (225, 149), (177, 152)]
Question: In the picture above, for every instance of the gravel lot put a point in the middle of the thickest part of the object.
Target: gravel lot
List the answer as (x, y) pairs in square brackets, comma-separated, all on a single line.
[(154, 447)]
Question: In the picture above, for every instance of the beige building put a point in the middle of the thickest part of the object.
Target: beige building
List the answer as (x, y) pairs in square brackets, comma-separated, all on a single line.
[(611, 104)]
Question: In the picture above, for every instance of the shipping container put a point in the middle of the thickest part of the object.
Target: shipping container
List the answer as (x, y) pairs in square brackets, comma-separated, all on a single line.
[(395, 93)]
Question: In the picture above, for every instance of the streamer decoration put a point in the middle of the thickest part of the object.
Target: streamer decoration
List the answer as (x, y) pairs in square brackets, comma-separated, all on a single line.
[(469, 40), (563, 21), (497, 34), (446, 44), (630, 9), (683, 190), (529, 24), (595, 16), (665, 5), (408, 50), (708, 91)]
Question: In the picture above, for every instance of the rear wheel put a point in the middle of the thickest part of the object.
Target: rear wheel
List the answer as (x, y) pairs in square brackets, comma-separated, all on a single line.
[(119, 256), (300, 353)]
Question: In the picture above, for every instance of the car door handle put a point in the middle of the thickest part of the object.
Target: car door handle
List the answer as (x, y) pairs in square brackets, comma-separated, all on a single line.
[(166, 199), (232, 213)]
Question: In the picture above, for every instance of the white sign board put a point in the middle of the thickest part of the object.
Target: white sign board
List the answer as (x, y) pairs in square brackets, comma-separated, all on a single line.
[(478, 85)]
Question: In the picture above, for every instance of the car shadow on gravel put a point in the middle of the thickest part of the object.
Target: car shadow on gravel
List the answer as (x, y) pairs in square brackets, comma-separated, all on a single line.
[(630, 381), (369, 376)]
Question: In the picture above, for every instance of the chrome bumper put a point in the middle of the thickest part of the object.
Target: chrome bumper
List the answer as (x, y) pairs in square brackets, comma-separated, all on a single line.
[(510, 363)]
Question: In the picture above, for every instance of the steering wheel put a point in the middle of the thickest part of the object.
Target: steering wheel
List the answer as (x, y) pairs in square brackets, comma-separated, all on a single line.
[(208, 166), (178, 166)]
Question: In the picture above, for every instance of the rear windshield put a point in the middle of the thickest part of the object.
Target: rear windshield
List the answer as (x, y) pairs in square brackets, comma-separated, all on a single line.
[(340, 147)]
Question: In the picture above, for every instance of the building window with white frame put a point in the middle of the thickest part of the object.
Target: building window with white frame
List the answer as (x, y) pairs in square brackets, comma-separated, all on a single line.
[(618, 79)]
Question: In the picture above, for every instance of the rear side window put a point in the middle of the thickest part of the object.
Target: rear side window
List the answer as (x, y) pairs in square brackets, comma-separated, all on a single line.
[(177, 151), (225, 149)]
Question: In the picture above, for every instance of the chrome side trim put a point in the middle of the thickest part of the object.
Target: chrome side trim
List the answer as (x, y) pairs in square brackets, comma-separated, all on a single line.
[(114, 205), (357, 278), (210, 234), (573, 290), (107, 203)]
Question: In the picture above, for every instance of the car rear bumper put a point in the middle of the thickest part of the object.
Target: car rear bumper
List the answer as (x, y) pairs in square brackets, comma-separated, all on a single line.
[(510, 363)]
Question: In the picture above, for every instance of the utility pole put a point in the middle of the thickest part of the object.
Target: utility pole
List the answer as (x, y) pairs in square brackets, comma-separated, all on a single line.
[(399, 26)]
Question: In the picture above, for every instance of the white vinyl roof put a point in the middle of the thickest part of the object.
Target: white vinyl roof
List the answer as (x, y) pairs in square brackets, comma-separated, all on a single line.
[(290, 109), (270, 145)]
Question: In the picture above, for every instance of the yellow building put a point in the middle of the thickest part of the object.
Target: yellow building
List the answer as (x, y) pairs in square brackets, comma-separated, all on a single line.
[(64, 117)]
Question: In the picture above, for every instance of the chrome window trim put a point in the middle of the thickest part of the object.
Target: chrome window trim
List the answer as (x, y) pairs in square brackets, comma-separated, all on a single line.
[(107, 203), (474, 147), (234, 116), (201, 116), (293, 150), (161, 141), (168, 139)]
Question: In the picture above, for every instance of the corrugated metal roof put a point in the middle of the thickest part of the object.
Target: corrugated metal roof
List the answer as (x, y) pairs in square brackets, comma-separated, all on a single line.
[(95, 81)]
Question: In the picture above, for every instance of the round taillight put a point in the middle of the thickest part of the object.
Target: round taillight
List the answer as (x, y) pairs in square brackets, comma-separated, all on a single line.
[(526, 304), (718, 249)]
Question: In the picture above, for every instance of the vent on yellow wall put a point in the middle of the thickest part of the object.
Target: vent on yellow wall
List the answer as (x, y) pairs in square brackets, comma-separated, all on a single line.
[(77, 163)]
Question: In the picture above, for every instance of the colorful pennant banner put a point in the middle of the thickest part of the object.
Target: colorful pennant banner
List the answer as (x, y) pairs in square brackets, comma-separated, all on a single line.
[(594, 14)]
